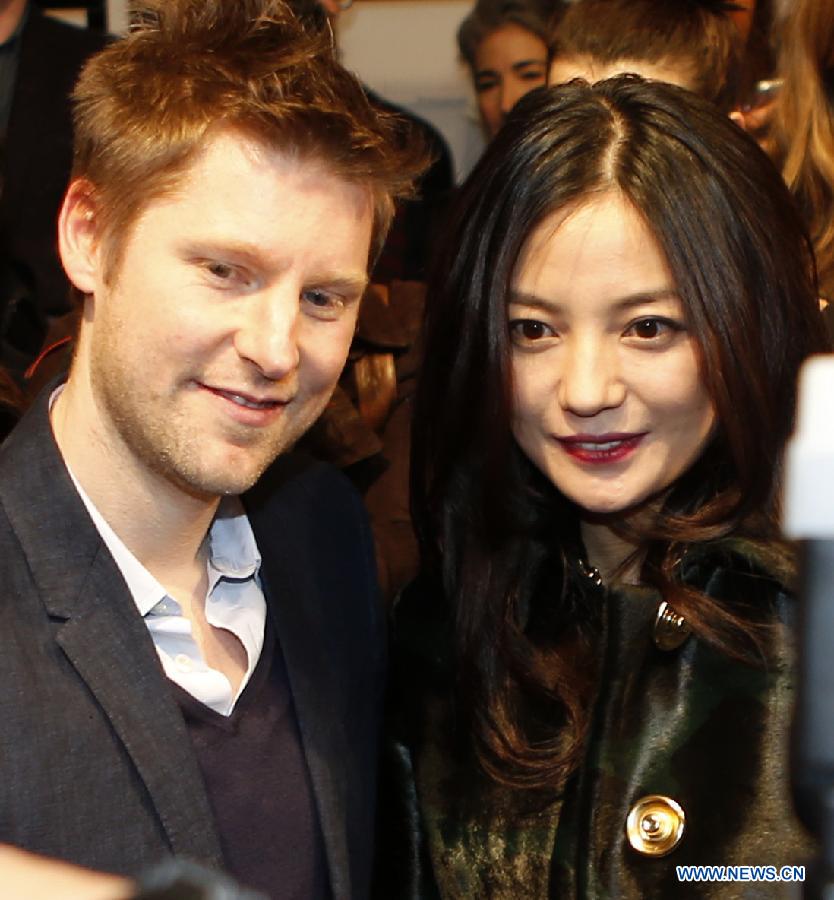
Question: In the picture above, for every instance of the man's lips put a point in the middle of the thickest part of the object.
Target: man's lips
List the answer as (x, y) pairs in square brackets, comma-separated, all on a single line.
[(601, 448), (248, 400)]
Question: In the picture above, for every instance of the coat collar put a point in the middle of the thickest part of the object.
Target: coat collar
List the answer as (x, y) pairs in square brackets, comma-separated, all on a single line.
[(276, 509), (102, 634)]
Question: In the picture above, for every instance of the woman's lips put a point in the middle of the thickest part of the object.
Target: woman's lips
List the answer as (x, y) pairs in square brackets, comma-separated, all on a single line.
[(600, 449)]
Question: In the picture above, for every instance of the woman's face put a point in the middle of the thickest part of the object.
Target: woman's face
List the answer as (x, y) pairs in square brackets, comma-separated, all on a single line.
[(509, 62), (608, 399)]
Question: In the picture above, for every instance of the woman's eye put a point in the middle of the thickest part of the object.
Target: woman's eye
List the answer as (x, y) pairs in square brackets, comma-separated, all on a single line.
[(529, 331), (485, 83), (652, 328)]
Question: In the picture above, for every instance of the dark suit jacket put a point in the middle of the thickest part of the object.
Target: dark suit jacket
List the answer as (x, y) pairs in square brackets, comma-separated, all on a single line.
[(38, 152), (95, 760)]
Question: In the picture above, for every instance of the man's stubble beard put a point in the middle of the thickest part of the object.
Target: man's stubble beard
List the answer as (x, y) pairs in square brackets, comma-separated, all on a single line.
[(156, 432)]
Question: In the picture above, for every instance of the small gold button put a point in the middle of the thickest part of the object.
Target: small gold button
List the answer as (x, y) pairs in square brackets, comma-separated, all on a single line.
[(670, 628), (655, 825)]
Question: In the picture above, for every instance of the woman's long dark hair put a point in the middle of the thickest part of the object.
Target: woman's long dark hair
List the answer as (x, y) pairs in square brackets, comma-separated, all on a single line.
[(486, 518)]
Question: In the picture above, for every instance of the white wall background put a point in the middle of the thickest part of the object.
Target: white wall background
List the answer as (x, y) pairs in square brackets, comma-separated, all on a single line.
[(406, 51)]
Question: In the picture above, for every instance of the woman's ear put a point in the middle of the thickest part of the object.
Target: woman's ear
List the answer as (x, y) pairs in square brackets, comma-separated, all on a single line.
[(78, 237)]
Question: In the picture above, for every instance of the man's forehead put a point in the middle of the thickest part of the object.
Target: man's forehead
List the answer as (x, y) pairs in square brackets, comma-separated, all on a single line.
[(232, 147)]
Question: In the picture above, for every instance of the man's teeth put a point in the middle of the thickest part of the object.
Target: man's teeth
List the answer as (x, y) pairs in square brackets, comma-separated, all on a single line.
[(250, 404)]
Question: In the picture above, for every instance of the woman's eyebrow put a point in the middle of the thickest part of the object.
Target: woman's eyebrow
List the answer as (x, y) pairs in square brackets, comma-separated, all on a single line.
[(526, 63), (651, 296), (524, 298)]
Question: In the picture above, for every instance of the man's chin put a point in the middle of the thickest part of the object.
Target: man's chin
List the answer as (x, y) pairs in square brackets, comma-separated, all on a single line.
[(220, 481)]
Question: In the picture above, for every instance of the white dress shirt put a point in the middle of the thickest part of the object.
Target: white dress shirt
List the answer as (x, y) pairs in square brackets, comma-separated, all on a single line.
[(234, 600)]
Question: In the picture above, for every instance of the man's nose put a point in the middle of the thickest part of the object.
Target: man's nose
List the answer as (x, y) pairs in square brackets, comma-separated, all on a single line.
[(591, 380), (268, 336)]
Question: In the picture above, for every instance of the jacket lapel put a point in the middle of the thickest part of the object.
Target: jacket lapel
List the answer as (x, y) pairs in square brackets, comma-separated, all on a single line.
[(302, 631), (102, 634)]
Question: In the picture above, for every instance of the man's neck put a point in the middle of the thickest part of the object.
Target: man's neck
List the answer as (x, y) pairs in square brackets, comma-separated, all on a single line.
[(159, 522), (11, 12)]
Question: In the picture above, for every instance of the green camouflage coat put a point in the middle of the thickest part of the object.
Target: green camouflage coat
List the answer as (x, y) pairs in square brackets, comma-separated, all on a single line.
[(687, 723)]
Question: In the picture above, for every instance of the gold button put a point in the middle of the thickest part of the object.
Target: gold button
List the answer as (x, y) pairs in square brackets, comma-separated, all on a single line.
[(655, 825), (670, 628)]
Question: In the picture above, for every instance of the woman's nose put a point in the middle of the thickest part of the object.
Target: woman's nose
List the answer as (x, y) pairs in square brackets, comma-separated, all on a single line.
[(590, 379)]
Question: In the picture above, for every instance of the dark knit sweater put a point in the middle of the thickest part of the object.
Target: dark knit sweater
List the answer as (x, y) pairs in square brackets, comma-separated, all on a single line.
[(258, 784)]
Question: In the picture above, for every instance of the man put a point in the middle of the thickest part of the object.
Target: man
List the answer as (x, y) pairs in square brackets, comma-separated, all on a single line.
[(231, 184)]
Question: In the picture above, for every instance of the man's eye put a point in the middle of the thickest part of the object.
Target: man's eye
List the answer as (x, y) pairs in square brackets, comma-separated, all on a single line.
[(528, 331), (222, 271), (324, 303)]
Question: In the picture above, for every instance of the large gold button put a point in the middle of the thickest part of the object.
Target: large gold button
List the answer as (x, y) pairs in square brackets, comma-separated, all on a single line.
[(670, 628), (655, 825)]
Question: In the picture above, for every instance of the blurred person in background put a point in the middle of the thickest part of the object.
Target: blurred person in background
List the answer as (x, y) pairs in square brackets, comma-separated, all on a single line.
[(694, 44), (799, 133), (40, 59), (504, 46), (755, 20), (11, 403)]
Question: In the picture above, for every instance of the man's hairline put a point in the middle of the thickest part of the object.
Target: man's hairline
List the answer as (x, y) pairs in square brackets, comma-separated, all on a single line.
[(176, 176)]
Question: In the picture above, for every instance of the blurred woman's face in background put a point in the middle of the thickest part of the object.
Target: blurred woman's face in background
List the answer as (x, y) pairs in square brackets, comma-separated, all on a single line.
[(608, 399), (509, 62)]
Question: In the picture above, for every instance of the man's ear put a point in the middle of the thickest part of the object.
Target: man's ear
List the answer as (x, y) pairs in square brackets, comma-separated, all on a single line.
[(78, 237)]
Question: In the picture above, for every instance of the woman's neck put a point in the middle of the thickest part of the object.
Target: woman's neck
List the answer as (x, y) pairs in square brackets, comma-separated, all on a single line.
[(606, 551)]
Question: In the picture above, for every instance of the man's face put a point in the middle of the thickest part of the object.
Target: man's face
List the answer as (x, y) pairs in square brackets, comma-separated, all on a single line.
[(219, 338)]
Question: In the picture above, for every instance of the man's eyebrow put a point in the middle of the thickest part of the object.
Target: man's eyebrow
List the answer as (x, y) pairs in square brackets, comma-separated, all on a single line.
[(347, 283), (524, 298), (253, 254), (220, 247)]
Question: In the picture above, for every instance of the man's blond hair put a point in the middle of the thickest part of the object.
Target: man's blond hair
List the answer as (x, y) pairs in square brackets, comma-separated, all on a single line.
[(145, 106)]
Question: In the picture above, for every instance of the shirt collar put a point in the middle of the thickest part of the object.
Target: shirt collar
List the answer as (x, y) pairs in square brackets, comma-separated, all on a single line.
[(233, 552), (232, 549), (144, 588)]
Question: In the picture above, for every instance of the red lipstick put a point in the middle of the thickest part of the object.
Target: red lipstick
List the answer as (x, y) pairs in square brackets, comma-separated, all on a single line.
[(601, 449)]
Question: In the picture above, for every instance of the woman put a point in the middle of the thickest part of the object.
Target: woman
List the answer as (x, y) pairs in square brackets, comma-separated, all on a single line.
[(593, 676), (503, 43), (695, 44)]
